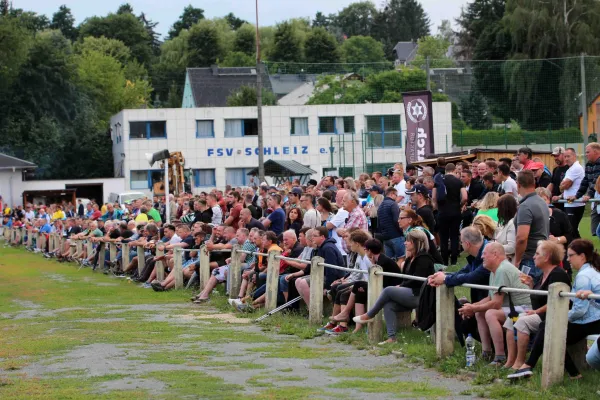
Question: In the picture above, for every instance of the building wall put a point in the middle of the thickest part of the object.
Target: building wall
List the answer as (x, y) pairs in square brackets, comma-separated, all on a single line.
[(593, 117), (314, 150), (9, 186)]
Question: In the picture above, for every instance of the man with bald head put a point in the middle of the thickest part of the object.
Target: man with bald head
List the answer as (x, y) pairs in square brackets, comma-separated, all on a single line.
[(492, 311)]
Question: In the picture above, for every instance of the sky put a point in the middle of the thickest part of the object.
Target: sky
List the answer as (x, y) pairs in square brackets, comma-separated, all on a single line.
[(270, 11)]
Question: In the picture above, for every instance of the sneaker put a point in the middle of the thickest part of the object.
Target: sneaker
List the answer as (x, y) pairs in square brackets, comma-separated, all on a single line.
[(520, 374), (241, 306), (327, 327), (234, 302), (498, 361), (338, 330), (146, 285), (157, 287)]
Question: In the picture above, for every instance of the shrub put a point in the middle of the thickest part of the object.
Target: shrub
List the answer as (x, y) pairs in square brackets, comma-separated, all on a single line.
[(500, 137)]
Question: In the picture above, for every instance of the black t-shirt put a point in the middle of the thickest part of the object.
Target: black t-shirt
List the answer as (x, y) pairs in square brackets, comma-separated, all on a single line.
[(204, 216), (73, 231), (451, 204), (189, 240), (544, 181), (115, 234), (556, 275), (255, 224), (557, 177), (426, 212), (126, 234)]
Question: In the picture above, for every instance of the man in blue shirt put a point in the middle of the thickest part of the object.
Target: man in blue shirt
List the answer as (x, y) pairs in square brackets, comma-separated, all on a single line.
[(276, 220)]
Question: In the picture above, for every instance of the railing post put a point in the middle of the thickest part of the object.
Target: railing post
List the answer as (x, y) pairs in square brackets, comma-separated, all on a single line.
[(38, 240), (43, 241), (444, 321), (159, 265), (78, 247), (375, 289), (235, 272), (112, 248), (315, 309), (272, 281), (73, 248), (101, 254), (30, 237), (177, 267), (204, 269), (555, 335), (141, 259), (124, 255), (89, 248)]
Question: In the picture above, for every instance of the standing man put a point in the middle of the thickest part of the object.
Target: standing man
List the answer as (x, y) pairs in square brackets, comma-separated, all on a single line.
[(400, 185), (592, 172), (532, 223), (570, 186), (235, 200), (507, 184), (80, 209), (312, 218), (420, 198), (558, 174), (217, 213), (389, 230), (294, 197), (450, 214), (524, 157)]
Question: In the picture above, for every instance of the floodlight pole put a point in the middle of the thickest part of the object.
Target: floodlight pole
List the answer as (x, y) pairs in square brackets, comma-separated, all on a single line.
[(261, 155), (167, 208)]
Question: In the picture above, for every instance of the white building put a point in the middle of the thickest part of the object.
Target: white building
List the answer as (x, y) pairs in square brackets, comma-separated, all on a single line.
[(220, 144)]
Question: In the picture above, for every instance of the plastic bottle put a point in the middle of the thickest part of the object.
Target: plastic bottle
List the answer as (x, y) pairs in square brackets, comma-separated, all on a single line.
[(470, 344)]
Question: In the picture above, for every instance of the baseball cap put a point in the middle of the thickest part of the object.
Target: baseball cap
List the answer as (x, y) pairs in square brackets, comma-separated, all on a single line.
[(536, 166), (558, 150), (297, 191), (376, 188), (419, 188)]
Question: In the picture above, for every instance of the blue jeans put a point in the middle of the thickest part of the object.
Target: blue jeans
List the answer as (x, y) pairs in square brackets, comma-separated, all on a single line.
[(593, 356), (535, 272), (394, 248)]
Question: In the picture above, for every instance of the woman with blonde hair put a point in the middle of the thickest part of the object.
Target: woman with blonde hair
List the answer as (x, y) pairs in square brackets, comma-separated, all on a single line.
[(486, 226), (489, 206), (350, 184), (506, 233), (372, 213)]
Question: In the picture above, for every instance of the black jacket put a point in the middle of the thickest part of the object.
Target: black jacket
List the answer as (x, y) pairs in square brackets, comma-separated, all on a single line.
[(544, 181), (421, 265), (387, 219), (389, 265), (475, 190), (203, 216), (331, 255)]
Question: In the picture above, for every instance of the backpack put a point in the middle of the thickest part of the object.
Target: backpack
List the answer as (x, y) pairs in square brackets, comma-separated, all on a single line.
[(426, 308)]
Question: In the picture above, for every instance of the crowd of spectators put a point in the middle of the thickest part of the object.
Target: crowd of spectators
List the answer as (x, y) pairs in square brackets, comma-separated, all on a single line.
[(504, 215)]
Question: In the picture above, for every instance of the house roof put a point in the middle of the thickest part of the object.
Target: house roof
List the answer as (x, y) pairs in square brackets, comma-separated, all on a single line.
[(211, 86), (9, 162), (405, 51), (284, 84), (299, 96), (280, 168)]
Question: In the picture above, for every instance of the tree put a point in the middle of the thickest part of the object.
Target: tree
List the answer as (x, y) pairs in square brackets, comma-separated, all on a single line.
[(168, 73), (204, 43), (322, 21), (4, 7), (64, 21), (110, 47), (125, 27), (473, 20), (434, 47), (150, 26), (321, 47), (474, 110), (30, 20), (362, 49), (238, 59), (446, 32), (246, 96), (245, 40), (14, 51), (125, 8), (187, 19), (287, 47), (234, 22), (356, 19)]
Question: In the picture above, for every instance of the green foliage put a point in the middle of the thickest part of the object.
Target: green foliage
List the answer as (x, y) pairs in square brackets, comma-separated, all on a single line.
[(434, 47), (234, 22), (245, 39), (474, 110), (287, 46), (245, 96), (187, 19), (238, 59), (204, 44), (13, 51), (500, 137), (321, 21), (64, 21), (362, 49), (321, 47), (356, 19), (474, 19), (110, 47)]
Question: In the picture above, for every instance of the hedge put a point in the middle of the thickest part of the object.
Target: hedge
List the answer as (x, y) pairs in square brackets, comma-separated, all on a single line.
[(501, 137)]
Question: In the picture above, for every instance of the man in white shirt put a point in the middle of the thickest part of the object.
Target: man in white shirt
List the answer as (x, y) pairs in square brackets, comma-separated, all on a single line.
[(507, 184), (400, 186), (338, 221), (312, 218), (213, 203), (569, 186), (29, 213)]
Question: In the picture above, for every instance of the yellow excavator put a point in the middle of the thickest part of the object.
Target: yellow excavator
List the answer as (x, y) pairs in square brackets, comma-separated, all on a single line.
[(177, 177)]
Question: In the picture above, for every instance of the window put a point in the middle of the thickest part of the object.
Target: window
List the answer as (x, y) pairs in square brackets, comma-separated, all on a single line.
[(139, 180), (205, 129), (384, 131), (204, 178), (344, 125), (148, 130), (237, 176), (327, 126), (241, 127), (299, 126)]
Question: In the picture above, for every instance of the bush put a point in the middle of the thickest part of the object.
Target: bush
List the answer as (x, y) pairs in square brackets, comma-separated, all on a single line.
[(500, 137)]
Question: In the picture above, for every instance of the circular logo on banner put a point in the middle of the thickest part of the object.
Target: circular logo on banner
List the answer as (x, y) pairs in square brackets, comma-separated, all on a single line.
[(416, 110)]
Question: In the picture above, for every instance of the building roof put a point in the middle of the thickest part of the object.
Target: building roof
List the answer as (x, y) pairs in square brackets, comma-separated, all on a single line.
[(279, 168), (9, 162), (299, 96), (211, 86), (405, 51), (284, 84)]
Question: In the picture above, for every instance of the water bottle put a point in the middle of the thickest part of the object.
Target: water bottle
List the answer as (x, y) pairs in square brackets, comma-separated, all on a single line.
[(470, 343)]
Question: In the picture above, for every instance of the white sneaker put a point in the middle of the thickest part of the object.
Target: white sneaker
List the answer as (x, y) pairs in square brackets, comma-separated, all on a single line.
[(235, 302)]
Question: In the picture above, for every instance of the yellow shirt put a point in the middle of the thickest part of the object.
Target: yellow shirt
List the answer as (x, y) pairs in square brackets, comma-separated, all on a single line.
[(60, 214), (141, 218), (103, 209)]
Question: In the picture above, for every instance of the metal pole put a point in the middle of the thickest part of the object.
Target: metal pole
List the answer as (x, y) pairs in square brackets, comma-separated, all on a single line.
[(427, 72), (584, 107), (259, 66), (167, 208)]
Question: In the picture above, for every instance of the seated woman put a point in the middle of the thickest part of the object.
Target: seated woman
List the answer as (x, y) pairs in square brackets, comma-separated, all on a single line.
[(506, 232), (547, 258), (404, 297), (489, 206), (584, 316), (409, 220)]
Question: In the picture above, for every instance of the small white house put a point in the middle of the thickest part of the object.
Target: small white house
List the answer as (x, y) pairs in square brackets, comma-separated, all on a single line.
[(11, 176)]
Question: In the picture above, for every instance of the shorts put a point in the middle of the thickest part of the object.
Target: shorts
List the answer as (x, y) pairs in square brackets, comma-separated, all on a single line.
[(221, 273), (527, 324), (519, 309)]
